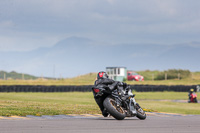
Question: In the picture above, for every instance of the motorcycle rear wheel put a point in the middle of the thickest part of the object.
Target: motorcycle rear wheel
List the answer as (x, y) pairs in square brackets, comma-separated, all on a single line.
[(116, 111)]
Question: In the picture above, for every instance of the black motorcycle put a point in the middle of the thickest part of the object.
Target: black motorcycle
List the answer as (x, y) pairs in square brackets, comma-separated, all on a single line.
[(119, 102)]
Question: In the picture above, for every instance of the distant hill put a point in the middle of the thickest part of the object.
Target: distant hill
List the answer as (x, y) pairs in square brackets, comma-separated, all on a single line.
[(15, 75), (77, 56)]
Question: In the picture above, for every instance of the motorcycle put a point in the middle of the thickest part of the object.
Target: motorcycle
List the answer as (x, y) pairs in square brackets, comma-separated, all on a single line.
[(119, 103), (192, 98)]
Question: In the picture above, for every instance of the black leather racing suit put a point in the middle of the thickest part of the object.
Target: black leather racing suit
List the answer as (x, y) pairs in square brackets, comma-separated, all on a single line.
[(111, 84)]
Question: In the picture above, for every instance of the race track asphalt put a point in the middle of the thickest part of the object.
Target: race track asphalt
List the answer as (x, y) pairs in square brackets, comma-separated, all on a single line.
[(155, 123)]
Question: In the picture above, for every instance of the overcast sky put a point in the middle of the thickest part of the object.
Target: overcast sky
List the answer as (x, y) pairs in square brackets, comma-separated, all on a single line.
[(29, 24)]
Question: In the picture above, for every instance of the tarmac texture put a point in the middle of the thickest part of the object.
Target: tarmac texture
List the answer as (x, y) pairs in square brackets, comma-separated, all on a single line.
[(86, 123)]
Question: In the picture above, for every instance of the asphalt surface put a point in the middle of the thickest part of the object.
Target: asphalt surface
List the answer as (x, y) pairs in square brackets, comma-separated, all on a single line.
[(155, 123)]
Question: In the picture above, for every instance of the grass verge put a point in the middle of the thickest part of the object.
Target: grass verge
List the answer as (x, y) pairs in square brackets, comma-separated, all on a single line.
[(38, 104), (89, 79)]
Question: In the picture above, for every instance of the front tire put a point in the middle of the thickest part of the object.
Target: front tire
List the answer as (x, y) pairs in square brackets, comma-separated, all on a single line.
[(195, 100), (140, 112), (111, 106)]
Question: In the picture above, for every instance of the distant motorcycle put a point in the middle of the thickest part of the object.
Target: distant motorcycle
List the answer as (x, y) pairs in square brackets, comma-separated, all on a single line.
[(119, 103), (193, 98)]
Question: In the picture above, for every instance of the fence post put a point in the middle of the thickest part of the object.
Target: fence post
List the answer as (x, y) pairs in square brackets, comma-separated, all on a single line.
[(192, 76), (22, 76), (178, 76), (152, 77), (4, 76)]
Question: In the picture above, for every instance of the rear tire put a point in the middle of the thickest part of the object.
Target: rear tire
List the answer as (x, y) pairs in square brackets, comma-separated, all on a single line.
[(140, 112), (117, 112)]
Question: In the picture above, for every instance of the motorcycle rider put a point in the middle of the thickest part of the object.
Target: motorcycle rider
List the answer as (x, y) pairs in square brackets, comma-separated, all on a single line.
[(190, 94), (102, 79)]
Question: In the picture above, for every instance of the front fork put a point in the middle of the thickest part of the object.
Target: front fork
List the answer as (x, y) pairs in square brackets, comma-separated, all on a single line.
[(132, 106)]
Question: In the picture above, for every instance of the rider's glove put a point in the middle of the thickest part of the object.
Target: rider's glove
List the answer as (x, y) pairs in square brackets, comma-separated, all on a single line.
[(120, 83), (124, 85)]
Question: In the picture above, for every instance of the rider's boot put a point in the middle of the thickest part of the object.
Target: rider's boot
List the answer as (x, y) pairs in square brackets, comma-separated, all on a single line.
[(105, 113)]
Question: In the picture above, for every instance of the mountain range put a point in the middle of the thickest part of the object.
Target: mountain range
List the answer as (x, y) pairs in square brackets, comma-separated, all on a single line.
[(76, 56)]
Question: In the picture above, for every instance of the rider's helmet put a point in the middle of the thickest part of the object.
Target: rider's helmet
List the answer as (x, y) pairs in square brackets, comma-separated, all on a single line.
[(102, 75), (191, 90)]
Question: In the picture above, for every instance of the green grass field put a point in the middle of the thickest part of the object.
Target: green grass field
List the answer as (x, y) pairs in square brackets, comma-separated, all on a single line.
[(89, 79), (23, 104)]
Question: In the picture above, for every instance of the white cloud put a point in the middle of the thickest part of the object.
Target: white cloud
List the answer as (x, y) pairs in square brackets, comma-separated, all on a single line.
[(107, 20), (7, 24), (26, 41), (111, 1)]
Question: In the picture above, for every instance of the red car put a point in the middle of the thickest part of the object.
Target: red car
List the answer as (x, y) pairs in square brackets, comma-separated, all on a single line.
[(134, 76)]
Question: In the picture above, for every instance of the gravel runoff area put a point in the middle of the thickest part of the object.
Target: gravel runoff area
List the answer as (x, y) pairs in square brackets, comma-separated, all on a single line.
[(155, 123)]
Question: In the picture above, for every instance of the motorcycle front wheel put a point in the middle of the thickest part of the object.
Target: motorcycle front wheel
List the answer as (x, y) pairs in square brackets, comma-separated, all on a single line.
[(140, 112), (116, 111), (195, 100)]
